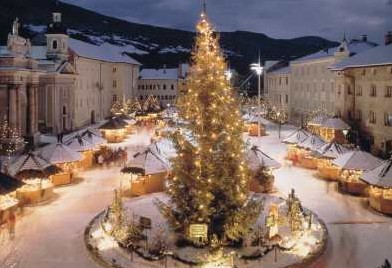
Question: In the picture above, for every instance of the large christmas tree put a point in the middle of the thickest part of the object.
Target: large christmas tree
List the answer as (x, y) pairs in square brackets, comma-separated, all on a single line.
[(211, 177)]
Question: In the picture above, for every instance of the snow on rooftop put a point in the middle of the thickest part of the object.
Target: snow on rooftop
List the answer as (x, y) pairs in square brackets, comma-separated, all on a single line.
[(354, 47), (257, 159), (312, 143), (159, 74), (380, 55), (104, 52), (298, 136), (357, 160), (283, 70), (332, 150), (335, 123), (380, 176), (60, 153), (150, 161)]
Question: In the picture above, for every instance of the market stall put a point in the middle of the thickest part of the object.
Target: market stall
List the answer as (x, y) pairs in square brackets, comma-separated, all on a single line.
[(380, 192), (325, 155), (35, 172), (131, 123), (334, 129), (8, 201), (64, 158), (253, 129), (315, 124), (87, 149), (261, 166), (93, 138), (114, 130), (292, 140), (353, 164), (311, 144), (146, 173)]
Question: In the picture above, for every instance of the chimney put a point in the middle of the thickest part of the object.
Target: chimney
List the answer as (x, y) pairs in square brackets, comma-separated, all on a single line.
[(363, 38), (388, 38)]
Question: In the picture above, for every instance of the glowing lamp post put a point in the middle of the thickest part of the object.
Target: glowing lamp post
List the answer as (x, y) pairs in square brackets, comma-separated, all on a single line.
[(229, 75), (259, 71)]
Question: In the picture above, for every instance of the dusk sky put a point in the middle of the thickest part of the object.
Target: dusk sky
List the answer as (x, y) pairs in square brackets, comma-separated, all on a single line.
[(276, 18)]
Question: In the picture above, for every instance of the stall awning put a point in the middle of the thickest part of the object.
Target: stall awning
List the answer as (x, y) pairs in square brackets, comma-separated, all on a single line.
[(297, 136), (312, 142), (357, 160), (380, 176), (258, 159), (60, 153)]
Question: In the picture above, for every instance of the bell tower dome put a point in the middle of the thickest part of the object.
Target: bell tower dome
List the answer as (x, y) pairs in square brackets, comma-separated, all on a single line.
[(57, 38)]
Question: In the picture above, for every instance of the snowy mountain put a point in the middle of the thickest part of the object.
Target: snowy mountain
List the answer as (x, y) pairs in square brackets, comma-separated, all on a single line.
[(150, 45)]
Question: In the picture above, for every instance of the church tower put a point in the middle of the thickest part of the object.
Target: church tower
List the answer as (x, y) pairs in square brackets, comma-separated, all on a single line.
[(57, 39), (343, 50)]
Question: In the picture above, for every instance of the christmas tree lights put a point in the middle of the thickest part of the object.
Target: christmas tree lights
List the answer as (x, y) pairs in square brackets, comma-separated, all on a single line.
[(211, 178)]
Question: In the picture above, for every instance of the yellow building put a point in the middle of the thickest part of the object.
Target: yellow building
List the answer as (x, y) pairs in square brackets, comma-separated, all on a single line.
[(364, 96), (278, 87), (313, 83)]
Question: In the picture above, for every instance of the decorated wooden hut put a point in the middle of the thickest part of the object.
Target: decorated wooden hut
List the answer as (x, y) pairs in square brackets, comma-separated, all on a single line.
[(311, 144), (315, 124), (380, 192), (325, 155), (334, 129), (292, 140), (36, 172), (66, 159), (352, 165), (8, 201), (253, 128), (146, 173), (261, 166), (114, 130), (87, 149)]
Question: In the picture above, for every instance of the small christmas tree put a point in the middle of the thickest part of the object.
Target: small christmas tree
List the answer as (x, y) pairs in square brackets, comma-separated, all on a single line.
[(11, 139), (211, 177), (122, 228)]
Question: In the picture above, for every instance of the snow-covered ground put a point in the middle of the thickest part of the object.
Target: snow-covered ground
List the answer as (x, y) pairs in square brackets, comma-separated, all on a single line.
[(52, 235)]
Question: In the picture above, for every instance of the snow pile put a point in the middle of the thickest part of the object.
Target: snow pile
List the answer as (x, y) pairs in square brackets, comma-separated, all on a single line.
[(357, 160)]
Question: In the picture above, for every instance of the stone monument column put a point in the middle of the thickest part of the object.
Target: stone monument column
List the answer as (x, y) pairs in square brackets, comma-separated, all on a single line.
[(12, 106), (32, 118)]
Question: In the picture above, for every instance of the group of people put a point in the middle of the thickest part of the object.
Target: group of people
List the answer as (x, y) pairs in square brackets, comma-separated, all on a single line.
[(107, 156)]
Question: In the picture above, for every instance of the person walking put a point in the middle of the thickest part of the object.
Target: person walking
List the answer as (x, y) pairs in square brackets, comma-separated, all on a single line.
[(11, 224)]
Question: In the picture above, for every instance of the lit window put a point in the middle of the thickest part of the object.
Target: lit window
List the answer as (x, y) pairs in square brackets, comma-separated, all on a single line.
[(388, 119)]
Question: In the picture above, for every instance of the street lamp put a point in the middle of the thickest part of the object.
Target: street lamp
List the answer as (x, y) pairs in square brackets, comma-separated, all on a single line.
[(229, 75), (279, 121), (259, 71)]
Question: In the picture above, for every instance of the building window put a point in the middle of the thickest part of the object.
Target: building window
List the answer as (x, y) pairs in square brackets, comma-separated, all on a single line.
[(339, 89), (363, 72), (388, 91), (114, 69), (114, 98), (172, 87), (359, 91), (54, 44), (358, 115), (374, 71), (372, 117), (114, 83), (388, 119), (164, 87), (373, 91)]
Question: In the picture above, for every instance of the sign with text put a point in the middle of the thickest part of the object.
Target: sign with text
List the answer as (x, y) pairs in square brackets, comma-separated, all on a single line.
[(198, 232)]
